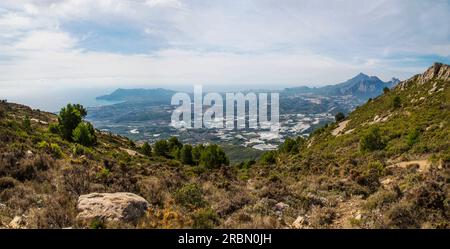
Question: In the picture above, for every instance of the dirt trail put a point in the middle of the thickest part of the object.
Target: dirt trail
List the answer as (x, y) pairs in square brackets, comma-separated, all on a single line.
[(131, 152), (423, 165), (340, 128), (346, 211)]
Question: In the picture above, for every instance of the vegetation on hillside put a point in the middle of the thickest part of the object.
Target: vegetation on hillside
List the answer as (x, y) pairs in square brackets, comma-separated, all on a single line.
[(385, 165)]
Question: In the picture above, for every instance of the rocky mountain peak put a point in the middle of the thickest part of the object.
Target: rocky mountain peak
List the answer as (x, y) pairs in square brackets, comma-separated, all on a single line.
[(438, 71), (361, 76)]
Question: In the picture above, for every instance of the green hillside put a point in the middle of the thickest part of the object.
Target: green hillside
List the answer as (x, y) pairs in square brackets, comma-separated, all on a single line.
[(388, 161), (385, 165)]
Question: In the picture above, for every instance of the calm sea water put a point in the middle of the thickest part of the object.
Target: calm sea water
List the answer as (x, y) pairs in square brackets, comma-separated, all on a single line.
[(53, 99)]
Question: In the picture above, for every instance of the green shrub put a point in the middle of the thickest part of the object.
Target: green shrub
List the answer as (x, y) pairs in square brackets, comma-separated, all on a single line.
[(380, 198), (69, 118), (186, 154), (268, 158), (78, 149), (56, 150), (371, 140), (370, 178), (190, 195), (205, 219), (376, 168), (104, 173), (339, 116), (246, 164), (84, 134), (274, 177), (161, 148), (43, 145), (213, 157), (97, 224), (197, 152), (174, 144), (413, 137), (146, 149), (26, 123), (54, 128), (292, 145), (396, 102)]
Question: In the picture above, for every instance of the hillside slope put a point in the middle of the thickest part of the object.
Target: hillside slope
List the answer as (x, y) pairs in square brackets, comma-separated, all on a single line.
[(388, 162), (385, 166)]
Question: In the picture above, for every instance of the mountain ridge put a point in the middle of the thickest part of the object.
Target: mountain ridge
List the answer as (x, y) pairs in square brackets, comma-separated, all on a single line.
[(361, 86), (386, 165)]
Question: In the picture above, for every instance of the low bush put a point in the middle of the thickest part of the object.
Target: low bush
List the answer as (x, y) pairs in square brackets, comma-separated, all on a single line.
[(7, 182), (190, 196), (268, 158), (77, 180), (204, 219), (322, 216), (54, 128), (371, 140), (401, 215), (56, 151), (84, 134), (380, 199)]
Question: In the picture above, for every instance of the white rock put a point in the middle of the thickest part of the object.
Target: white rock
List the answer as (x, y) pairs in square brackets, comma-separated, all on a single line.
[(300, 222), (17, 222), (121, 207)]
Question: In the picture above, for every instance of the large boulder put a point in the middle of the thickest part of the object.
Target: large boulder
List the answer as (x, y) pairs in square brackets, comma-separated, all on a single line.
[(107, 207)]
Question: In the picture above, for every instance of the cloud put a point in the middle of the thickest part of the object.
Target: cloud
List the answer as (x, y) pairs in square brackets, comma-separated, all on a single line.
[(156, 42), (46, 41)]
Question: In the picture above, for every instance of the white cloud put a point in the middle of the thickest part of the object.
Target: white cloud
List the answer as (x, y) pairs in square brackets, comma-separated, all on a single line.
[(164, 3), (46, 41), (219, 42)]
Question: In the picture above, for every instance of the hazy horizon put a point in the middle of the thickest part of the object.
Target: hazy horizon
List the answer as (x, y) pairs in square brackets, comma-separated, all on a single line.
[(106, 43), (78, 48), (53, 98)]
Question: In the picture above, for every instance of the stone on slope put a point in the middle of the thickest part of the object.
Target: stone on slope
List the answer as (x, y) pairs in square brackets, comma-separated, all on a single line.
[(117, 207)]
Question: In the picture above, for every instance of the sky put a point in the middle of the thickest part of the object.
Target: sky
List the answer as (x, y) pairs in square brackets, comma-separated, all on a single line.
[(47, 44)]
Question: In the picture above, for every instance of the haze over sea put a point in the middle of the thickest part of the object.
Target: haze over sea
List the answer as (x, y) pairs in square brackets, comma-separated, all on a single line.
[(51, 99)]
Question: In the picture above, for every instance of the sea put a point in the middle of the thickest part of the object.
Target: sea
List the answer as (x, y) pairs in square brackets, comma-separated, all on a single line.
[(53, 99)]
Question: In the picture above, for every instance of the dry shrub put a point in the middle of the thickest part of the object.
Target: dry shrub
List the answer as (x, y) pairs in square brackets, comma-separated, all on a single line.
[(205, 219), (402, 215), (167, 218), (232, 203), (59, 211), (322, 217), (380, 199), (429, 195), (7, 182), (23, 168), (19, 198), (77, 180), (152, 190)]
